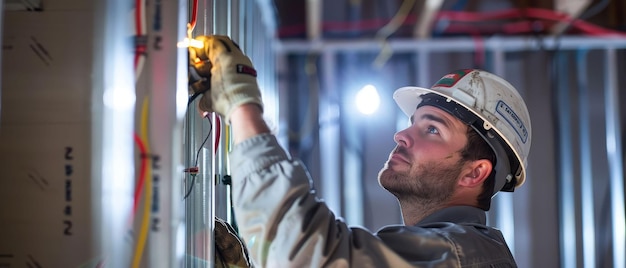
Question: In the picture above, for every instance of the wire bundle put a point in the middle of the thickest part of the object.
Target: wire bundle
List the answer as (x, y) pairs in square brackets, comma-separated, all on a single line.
[(516, 21)]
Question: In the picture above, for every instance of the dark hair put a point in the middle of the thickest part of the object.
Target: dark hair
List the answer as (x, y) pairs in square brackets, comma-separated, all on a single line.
[(475, 149)]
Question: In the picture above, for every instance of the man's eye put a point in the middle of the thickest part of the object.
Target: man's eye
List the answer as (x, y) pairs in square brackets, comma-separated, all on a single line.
[(432, 130)]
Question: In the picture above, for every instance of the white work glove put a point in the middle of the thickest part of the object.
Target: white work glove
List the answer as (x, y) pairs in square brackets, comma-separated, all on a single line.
[(224, 75)]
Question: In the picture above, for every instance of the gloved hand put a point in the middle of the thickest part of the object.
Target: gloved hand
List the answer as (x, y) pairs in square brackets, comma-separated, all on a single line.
[(224, 75), (230, 251)]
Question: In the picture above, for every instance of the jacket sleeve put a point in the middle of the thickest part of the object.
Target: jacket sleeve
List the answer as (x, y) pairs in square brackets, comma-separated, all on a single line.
[(284, 224)]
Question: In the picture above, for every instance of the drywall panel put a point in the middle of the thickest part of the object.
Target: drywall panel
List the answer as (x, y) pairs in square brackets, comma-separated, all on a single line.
[(45, 135)]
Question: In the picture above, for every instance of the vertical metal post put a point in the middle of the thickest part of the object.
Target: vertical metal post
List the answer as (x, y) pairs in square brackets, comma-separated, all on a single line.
[(206, 17), (422, 59), (166, 88), (199, 188), (423, 70), (329, 131), (567, 219), (586, 173), (220, 17), (503, 201), (615, 159), (314, 19), (352, 138), (282, 65), (221, 25), (189, 181), (113, 119)]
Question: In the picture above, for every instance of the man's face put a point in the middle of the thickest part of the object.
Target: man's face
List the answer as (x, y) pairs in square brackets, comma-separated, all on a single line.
[(426, 162)]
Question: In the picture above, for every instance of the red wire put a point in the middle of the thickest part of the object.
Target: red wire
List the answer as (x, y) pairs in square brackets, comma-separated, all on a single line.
[(533, 13), (468, 16), (218, 130), (523, 27), (194, 14), (142, 171), (518, 27), (479, 51), (139, 48)]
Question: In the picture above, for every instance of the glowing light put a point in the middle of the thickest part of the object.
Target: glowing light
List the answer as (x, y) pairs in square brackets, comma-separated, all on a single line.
[(119, 99), (190, 43), (367, 100)]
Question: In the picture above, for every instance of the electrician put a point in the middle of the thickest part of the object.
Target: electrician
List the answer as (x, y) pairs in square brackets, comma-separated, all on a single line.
[(468, 139)]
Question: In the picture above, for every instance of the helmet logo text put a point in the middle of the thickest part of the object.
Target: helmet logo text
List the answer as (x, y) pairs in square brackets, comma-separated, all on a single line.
[(511, 117)]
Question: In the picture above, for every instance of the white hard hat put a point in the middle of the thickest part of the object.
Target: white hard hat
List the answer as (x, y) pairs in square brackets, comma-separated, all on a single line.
[(490, 105)]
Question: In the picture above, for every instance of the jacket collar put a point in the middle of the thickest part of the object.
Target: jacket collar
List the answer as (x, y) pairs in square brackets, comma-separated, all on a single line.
[(456, 214)]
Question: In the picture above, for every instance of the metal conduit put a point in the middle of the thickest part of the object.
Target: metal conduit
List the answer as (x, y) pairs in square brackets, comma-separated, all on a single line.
[(329, 131), (615, 159), (567, 209), (586, 176), (504, 202), (453, 44)]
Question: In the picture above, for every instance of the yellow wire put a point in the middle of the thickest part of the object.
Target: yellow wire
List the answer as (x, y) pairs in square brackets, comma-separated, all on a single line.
[(143, 231), (227, 137), (388, 30)]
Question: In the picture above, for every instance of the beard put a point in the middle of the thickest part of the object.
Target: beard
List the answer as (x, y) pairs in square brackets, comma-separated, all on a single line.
[(429, 183)]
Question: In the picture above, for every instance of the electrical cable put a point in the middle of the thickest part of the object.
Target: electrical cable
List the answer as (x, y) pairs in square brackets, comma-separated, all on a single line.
[(227, 142), (218, 131), (145, 176), (142, 142), (479, 52), (140, 37), (145, 222), (138, 63), (194, 17), (194, 14), (142, 172), (193, 176), (584, 27), (195, 96), (594, 10), (191, 25), (584, 15), (390, 28), (534, 13)]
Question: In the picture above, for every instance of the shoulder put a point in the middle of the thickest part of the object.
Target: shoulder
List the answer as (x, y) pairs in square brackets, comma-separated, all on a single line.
[(462, 242)]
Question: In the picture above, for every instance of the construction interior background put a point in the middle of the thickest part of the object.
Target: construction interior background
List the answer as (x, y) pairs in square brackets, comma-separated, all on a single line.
[(104, 161)]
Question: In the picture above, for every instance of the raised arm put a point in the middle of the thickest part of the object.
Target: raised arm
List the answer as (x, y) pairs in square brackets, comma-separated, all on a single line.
[(246, 122)]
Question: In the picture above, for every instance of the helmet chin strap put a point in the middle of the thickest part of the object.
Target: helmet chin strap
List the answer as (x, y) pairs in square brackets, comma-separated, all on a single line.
[(505, 180)]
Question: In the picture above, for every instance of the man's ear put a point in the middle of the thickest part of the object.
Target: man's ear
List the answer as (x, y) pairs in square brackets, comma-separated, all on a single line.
[(475, 173)]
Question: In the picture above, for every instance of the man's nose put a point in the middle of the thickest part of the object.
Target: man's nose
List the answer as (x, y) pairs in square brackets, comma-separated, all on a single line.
[(402, 138)]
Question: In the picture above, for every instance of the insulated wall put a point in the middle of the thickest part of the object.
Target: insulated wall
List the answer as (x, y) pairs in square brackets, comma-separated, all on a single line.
[(45, 136)]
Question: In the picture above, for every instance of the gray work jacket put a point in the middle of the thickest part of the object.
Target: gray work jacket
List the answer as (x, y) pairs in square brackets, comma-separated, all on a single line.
[(284, 224)]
